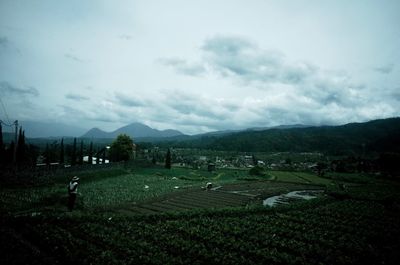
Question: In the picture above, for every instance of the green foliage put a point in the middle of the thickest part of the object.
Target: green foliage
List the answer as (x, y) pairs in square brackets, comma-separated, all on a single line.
[(257, 171), (390, 164), (354, 138), (73, 155), (121, 148), (362, 227), (81, 154), (90, 157), (168, 159), (2, 147), (321, 232), (62, 152)]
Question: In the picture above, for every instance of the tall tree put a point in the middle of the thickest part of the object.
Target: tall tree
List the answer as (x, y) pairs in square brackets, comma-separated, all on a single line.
[(62, 154), (168, 159), (81, 154), (104, 157), (73, 155), (2, 147), (21, 147), (47, 155), (90, 158), (97, 157)]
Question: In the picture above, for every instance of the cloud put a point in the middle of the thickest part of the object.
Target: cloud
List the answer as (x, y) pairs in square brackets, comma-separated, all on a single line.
[(76, 97), (90, 113), (4, 42), (183, 67), (240, 58), (7, 45), (73, 57), (12, 90), (125, 37), (129, 101), (385, 69)]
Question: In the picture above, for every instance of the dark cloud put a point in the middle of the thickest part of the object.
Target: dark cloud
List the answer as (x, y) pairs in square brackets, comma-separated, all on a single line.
[(385, 69), (92, 114), (238, 57), (4, 42), (128, 101), (240, 60), (9, 89), (184, 67), (230, 46), (76, 97), (7, 45), (73, 57)]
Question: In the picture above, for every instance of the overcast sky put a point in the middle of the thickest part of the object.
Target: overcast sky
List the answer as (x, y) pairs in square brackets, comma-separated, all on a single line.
[(199, 66)]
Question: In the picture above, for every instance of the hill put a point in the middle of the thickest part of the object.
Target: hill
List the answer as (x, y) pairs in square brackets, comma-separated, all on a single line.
[(373, 136), (136, 130)]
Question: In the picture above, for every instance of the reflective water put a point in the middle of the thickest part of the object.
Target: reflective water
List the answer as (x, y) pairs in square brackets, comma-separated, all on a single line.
[(292, 196)]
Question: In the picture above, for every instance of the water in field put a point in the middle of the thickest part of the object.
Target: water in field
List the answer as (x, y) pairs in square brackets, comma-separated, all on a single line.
[(292, 196)]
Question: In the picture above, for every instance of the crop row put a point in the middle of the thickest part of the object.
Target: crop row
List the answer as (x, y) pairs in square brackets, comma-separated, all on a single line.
[(282, 237)]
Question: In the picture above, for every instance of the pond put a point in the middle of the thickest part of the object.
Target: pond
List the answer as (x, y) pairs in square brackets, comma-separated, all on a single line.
[(291, 197)]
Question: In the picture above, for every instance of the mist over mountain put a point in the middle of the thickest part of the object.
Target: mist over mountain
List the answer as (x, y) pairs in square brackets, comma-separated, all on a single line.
[(135, 130), (38, 129)]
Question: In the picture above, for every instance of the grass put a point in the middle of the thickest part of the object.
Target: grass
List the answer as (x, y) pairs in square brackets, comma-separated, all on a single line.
[(113, 187), (299, 177), (103, 189)]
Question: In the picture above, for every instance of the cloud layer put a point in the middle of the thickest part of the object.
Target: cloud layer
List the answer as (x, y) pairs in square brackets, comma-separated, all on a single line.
[(207, 65)]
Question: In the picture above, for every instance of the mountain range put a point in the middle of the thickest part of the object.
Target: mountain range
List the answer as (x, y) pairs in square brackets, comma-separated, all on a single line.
[(354, 138), (135, 130)]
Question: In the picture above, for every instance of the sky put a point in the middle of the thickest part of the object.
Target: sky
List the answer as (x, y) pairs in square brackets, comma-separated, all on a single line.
[(199, 66)]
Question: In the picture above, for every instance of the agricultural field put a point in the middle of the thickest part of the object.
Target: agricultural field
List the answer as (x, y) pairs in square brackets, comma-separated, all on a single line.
[(160, 216)]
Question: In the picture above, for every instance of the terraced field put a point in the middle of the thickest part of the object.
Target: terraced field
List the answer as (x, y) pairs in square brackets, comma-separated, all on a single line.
[(233, 195)]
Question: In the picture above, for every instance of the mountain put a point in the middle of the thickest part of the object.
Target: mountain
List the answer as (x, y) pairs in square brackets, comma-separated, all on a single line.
[(353, 138), (136, 130), (36, 129), (96, 133)]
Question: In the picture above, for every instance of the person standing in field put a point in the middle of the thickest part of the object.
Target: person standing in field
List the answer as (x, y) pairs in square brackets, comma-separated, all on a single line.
[(72, 192)]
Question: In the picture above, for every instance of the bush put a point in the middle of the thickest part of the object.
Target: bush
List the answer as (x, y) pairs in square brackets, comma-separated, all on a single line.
[(258, 171)]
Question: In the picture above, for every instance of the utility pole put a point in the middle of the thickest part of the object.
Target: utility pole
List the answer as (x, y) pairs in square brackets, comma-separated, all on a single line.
[(16, 142)]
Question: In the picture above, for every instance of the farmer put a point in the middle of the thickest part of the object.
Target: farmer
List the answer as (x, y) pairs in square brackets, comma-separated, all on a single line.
[(72, 192)]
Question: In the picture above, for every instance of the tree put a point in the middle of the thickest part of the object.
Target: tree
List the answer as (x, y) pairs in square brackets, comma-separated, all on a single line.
[(21, 147), (47, 155), (121, 148), (253, 157), (168, 159), (97, 157), (104, 157), (389, 164), (73, 155), (81, 154), (90, 158), (2, 147), (62, 154), (321, 167)]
